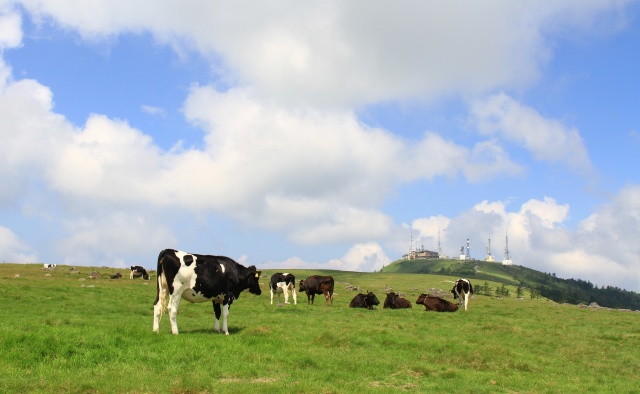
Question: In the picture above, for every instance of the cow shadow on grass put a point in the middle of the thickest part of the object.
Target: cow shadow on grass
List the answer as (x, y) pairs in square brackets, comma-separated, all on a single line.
[(210, 331)]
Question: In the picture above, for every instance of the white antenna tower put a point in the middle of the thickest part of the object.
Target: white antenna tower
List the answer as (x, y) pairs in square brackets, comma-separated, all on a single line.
[(468, 255), (440, 254), (489, 256), (507, 259), (409, 255)]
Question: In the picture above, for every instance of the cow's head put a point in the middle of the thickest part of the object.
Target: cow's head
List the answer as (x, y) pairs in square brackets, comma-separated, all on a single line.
[(372, 299), (301, 289), (421, 298), (253, 284)]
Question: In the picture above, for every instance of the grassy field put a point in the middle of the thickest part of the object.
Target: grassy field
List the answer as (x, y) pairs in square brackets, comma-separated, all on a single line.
[(61, 334)]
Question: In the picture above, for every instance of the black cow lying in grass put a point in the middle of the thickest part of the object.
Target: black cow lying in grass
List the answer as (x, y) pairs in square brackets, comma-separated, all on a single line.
[(394, 301), (436, 304), (368, 301)]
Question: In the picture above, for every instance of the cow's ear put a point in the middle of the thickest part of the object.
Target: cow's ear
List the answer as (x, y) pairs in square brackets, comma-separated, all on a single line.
[(258, 274)]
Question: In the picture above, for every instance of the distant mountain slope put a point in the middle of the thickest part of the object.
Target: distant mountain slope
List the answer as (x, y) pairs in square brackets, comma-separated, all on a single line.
[(573, 291)]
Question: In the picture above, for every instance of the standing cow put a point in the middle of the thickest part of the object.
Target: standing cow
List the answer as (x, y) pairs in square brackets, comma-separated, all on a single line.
[(436, 304), (283, 283), (462, 290), (200, 278), (318, 284), (138, 271), (368, 301), (394, 301)]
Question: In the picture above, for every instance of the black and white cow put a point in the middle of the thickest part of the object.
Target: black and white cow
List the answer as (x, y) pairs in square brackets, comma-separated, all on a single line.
[(49, 266), (138, 271), (200, 278), (283, 283), (462, 290)]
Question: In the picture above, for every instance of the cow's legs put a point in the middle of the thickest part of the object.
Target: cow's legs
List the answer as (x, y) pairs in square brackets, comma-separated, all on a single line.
[(466, 301), (313, 297), (271, 296), (174, 303), (285, 290), (161, 302), (217, 311), (224, 311), (295, 297)]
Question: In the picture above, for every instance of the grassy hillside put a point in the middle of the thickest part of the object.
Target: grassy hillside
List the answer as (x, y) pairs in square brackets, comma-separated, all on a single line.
[(65, 333), (574, 291)]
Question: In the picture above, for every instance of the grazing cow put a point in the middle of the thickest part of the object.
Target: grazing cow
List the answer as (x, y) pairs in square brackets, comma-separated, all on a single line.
[(200, 278), (138, 271), (436, 304), (50, 266), (318, 284), (368, 301), (394, 301), (117, 275), (283, 283), (462, 290)]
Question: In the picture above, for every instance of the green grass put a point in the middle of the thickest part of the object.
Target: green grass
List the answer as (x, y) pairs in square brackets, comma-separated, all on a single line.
[(59, 337)]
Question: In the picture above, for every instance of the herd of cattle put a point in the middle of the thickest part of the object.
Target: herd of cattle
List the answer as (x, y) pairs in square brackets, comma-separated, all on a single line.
[(202, 278)]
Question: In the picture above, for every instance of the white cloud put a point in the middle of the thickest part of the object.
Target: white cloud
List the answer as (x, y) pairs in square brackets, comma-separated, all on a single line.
[(346, 53), (13, 249), (361, 257), (10, 27), (106, 237), (546, 139), (320, 176), (152, 110)]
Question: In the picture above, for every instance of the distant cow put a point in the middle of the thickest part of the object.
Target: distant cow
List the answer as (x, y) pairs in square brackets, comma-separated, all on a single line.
[(283, 283), (368, 301), (462, 290), (200, 278), (394, 301), (436, 304), (318, 284), (117, 275), (138, 271), (49, 266)]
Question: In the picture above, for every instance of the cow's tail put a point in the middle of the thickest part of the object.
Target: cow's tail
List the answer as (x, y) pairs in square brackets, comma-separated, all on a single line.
[(163, 288)]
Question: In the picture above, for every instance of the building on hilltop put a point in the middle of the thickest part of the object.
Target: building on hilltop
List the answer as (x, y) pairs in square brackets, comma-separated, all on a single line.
[(420, 253)]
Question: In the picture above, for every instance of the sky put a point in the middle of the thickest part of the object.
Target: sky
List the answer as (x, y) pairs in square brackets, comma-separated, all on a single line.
[(322, 135)]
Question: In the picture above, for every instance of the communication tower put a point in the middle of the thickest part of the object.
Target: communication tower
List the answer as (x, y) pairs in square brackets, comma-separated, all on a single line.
[(489, 256), (440, 254), (507, 259)]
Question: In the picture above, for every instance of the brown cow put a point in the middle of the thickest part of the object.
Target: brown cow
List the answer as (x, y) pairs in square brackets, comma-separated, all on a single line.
[(394, 301), (436, 304), (318, 284)]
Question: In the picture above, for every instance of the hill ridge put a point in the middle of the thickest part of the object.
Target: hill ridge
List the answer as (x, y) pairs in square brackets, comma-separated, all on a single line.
[(548, 285)]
